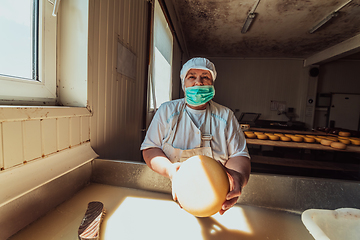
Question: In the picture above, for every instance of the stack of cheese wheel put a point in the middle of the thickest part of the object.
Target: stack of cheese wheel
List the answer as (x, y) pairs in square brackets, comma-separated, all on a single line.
[(201, 185), (345, 137), (332, 142), (338, 142)]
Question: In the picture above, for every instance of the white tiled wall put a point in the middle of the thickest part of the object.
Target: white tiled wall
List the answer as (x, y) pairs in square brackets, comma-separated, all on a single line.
[(27, 140)]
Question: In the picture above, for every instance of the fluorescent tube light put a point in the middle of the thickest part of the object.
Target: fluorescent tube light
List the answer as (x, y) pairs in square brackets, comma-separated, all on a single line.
[(323, 21), (248, 22), (328, 17)]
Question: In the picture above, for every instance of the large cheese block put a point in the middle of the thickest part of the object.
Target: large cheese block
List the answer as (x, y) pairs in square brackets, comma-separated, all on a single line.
[(201, 185)]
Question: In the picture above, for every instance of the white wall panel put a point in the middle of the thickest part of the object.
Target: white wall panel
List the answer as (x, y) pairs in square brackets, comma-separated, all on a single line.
[(13, 143), (115, 100), (49, 136), (32, 140), (250, 85), (340, 77), (63, 133)]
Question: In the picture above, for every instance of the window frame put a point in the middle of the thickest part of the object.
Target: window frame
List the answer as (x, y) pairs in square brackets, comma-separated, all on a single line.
[(41, 91)]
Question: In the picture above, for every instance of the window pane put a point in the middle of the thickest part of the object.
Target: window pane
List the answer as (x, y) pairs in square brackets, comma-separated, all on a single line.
[(162, 76), (16, 41), (163, 36), (162, 60)]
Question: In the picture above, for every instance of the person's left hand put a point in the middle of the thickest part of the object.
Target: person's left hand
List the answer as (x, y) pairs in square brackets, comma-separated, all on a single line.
[(236, 183)]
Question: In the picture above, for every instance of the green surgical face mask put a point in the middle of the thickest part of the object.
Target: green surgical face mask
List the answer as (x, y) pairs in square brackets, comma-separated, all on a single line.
[(199, 95)]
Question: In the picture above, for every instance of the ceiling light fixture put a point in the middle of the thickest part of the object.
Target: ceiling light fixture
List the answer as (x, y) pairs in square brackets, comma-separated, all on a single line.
[(250, 18), (328, 18), (248, 21)]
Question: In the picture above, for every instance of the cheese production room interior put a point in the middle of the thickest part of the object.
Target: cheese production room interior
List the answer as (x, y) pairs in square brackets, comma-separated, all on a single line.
[(81, 80)]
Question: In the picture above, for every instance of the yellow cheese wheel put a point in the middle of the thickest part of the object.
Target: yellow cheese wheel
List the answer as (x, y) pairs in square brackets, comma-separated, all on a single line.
[(345, 141), (318, 140), (201, 185), (296, 139), (344, 134), (262, 136), (250, 135), (285, 139), (273, 137), (355, 141), (288, 135), (279, 134), (269, 134), (338, 145), (258, 133), (310, 136), (326, 142), (320, 136), (334, 139), (309, 139)]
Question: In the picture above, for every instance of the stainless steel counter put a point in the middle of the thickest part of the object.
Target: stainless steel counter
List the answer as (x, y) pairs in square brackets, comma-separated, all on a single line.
[(293, 194), (287, 193)]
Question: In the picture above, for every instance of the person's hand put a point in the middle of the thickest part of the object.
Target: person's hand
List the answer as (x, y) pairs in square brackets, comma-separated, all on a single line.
[(174, 168), (236, 181)]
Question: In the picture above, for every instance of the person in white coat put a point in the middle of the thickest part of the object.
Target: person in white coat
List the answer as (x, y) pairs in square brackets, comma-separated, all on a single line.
[(196, 125)]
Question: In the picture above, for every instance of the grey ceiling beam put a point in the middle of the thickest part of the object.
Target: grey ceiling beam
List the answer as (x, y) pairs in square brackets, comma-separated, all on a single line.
[(343, 49)]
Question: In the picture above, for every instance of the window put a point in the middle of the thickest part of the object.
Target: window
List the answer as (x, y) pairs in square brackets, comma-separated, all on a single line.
[(28, 52), (160, 79)]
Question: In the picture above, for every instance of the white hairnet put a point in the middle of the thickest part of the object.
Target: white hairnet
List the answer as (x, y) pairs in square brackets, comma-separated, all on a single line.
[(197, 63)]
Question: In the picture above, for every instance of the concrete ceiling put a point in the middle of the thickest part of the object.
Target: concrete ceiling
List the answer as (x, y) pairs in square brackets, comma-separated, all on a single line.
[(280, 29)]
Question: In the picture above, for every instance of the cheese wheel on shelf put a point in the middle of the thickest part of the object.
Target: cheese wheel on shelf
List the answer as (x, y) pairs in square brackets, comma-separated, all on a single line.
[(355, 141), (309, 140), (279, 134), (201, 185), (318, 140), (296, 139), (326, 142), (334, 139), (273, 137), (344, 134), (345, 141), (258, 133), (250, 135), (285, 139), (320, 136), (262, 136), (338, 145)]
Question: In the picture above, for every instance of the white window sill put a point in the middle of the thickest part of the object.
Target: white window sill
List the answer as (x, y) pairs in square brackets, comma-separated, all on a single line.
[(22, 113)]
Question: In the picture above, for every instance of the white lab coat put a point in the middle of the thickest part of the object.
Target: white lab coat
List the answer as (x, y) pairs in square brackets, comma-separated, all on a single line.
[(227, 137)]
